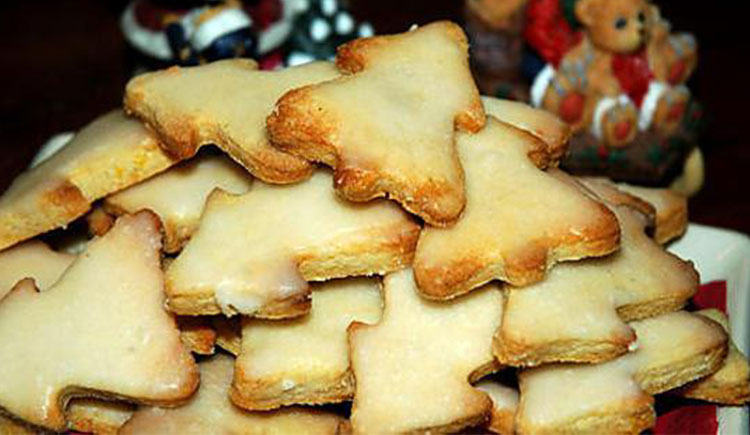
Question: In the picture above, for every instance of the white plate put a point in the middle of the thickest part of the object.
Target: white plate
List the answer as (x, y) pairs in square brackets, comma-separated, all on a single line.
[(724, 255)]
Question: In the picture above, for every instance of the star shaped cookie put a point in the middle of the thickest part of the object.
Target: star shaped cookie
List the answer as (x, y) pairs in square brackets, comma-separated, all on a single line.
[(387, 126)]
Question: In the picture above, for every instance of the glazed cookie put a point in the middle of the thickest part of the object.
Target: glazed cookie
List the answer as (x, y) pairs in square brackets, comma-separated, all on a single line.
[(579, 312), (504, 406), (32, 259), (254, 253), (178, 195), (111, 153), (616, 396), (731, 383), (671, 210), (304, 360), (518, 221), (211, 411), (413, 369), (551, 132), (106, 311), (197, 334), (387, 127), (223, 103)]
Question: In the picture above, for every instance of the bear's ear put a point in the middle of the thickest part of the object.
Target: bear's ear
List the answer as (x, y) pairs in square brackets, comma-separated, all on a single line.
[(587, 11)]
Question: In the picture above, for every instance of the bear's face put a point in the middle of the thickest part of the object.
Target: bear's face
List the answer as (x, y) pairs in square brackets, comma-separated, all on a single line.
[(618, 26)]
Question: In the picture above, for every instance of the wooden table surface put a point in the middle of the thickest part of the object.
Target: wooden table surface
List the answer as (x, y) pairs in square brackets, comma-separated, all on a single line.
[(66, 62)]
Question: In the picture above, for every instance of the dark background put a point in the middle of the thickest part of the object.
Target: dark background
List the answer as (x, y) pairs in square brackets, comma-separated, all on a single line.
[(64, 63)]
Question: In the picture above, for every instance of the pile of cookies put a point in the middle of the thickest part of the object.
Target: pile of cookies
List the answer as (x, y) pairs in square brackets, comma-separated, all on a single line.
[(370, 231)]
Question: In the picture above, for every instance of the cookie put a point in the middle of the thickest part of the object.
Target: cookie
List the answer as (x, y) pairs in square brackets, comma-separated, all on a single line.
[(228, 333), (550, 131), (111, 153), (387, 127), (223, 103), (197, 334), (32, 259), (730, 384), (304, 360), (671, 210), (106, 311), (504, 406), (413, 368), (518, 221), (210, 411), (254, 253), (667, 208), (177, 196), (616, 396), (579, 312), (96, 416)]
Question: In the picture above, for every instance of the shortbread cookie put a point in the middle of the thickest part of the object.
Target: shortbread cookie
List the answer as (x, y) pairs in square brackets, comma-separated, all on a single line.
[(223, 103), (504, 406), (731, 383), (667, 207), (387, 126), (32, 259), (413, 369), (518, 221), (99, 221), (304, 360), (111, 153), (615, 397), (177, 196), (607, 191), (100, 330), (197, 333), (253, 254), (579, 312), (550, 130), (228, 333), (97, 416), (671, 210), (211, 411)]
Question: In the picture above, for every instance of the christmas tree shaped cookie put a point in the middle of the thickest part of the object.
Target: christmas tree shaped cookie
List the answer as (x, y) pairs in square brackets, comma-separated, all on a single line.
[(254, 253), (518, 221), (223, 103), (101, 329), (388, 125), (413, 368)]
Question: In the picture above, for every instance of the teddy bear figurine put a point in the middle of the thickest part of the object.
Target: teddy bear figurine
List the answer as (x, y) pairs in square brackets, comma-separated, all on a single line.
[(616, 73)]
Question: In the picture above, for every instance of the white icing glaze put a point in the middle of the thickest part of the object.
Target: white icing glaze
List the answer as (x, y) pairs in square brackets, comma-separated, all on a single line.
[(247, 247)]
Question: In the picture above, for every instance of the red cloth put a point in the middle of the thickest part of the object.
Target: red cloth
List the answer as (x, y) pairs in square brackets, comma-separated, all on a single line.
[(696, 419), (547, 30), (633, 73), (711, 295), (688, 420)]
